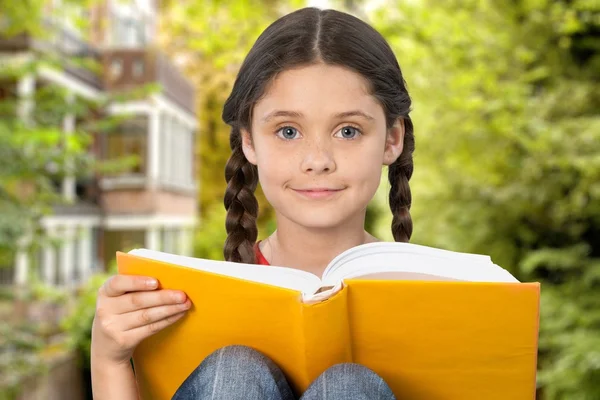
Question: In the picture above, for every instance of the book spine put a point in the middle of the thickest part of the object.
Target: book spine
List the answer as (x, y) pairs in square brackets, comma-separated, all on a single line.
[(326, 334)]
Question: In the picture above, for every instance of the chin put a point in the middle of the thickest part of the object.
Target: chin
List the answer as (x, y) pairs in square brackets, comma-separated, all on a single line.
[(319, 219)]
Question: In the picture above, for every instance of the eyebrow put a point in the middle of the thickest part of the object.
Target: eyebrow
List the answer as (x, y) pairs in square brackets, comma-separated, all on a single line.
[(296, 114)]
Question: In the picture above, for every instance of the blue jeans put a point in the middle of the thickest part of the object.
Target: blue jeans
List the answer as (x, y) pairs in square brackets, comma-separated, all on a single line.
[(240, 372)]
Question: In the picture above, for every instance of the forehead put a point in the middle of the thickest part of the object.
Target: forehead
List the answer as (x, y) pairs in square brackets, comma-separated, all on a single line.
[(318, 90)]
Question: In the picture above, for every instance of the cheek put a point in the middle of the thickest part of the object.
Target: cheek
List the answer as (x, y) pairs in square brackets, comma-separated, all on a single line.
[(364, 164), (369, 176), (274, 169)]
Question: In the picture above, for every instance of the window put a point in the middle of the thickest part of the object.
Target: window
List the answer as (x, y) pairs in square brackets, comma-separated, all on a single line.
[(139, 32), (130, 139), (177, 150), (167, 242), (128, 31), (138, 68), (116, 68)]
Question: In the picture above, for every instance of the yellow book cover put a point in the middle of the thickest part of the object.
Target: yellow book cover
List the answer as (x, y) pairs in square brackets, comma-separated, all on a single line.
[(434, 324)]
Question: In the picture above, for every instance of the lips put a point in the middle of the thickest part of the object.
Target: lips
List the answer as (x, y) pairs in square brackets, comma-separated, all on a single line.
[(319, 190), (318, 193)]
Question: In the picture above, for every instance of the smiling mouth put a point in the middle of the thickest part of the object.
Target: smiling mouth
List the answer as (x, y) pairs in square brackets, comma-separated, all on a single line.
[(317, 193)]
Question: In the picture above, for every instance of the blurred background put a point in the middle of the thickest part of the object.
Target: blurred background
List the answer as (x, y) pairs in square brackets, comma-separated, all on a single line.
[(111, 138)]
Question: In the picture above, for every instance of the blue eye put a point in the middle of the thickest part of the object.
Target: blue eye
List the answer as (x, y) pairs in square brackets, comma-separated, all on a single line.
[(287, 132), (349, 132)]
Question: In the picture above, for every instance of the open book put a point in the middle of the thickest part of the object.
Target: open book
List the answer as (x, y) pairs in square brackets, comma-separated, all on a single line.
[(382, 260), (435, 324)]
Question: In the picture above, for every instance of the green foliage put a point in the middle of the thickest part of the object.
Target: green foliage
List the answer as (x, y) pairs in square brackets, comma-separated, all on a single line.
[(18, 17), (21, 348), (35, 153), (25, 342), (32, 159), (210, 236), (507, 161), (78, 324)]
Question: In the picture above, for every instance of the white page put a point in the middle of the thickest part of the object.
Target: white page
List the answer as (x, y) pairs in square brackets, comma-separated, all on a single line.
[(403, 257), (417, 264), (288, 278), (404, 248)]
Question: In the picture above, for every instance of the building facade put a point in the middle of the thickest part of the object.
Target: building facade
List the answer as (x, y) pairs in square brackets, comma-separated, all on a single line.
[(152, 204)]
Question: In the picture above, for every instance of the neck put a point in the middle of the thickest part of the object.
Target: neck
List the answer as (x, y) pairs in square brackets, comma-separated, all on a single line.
[(312, 249)]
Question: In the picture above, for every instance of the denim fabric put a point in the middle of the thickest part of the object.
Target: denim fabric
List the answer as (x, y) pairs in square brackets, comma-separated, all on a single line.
[(348, 382), (240, 372)]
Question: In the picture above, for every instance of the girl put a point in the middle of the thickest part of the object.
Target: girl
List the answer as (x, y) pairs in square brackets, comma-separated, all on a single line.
[(318, 106)]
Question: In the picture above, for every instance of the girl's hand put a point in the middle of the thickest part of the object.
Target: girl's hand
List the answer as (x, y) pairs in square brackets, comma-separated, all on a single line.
[(128, 310)]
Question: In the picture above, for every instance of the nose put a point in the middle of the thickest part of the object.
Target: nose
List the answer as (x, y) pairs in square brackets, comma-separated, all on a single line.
[(318, 158)]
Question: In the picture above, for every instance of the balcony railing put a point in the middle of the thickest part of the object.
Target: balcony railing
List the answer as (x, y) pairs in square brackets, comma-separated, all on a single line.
[(129, 68), (122, 68), (62, 43)]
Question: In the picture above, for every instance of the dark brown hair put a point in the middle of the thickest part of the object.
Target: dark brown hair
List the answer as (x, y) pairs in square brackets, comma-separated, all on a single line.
[(301, 38)]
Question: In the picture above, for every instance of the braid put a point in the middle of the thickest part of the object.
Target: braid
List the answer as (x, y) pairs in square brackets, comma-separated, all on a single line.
[(400, 198), (241, 204)]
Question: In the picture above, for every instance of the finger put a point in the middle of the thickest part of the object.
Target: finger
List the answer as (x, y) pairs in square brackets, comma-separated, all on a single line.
[(133, 337), (152, 315), (137, 300), (121, 284), (145, 331)]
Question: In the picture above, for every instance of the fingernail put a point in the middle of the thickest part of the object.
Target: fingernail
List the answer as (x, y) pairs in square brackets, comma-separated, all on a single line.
[(186, 304), (151, 282)]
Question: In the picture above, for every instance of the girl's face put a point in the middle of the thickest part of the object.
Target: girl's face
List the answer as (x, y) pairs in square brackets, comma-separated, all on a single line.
[(319, 140)]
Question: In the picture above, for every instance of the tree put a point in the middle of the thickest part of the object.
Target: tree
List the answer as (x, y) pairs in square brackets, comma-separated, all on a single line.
[(35, 155), (506, 99), (35, 152)]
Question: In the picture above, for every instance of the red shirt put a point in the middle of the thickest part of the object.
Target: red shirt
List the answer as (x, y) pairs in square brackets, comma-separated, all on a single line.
[(260, 258)]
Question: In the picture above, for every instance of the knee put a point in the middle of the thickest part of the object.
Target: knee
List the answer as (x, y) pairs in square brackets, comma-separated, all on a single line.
[(357, 379), (226, 373), (236, 357), (349, 372)]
